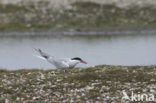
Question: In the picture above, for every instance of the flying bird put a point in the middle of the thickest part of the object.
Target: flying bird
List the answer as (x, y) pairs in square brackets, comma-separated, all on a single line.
[(62, 63)]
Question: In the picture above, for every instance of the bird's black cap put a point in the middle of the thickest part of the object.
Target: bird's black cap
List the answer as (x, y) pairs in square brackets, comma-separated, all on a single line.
[(76, 58)]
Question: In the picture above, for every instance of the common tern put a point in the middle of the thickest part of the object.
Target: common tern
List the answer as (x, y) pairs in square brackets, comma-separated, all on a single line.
[(62, 63)]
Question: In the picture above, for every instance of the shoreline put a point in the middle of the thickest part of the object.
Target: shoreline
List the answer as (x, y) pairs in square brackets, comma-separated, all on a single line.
[(67, 3), (139, 31)]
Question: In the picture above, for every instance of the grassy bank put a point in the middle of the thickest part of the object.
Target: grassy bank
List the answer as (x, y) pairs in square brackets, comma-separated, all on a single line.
[(94, 85), (78, 16)]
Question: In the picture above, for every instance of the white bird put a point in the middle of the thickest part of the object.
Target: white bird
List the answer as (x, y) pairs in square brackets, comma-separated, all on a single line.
[(62, 63)]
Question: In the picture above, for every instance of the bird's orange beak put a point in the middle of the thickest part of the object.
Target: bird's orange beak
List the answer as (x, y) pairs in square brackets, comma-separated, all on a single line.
[(84, 62)]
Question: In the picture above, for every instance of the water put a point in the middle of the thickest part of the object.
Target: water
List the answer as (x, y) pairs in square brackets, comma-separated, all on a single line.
[(18, 52)]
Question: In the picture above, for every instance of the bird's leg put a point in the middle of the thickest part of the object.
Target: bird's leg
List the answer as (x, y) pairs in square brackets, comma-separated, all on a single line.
[(65, 70)]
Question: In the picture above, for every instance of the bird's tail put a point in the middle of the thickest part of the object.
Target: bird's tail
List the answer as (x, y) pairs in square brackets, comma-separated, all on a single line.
[(43, 55)]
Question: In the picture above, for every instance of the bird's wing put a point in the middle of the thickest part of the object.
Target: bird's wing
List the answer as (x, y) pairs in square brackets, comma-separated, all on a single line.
[(61, 64), (64, 59), (69, 62), (58, 63)]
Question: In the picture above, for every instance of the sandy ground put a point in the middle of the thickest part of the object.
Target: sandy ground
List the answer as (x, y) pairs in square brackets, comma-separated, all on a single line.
[(58, 3)]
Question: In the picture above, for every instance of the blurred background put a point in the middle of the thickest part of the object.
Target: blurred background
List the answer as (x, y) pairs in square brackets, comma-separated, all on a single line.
[(112, 32)]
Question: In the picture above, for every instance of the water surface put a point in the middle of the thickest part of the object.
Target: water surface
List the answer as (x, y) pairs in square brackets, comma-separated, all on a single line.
[(18, 52)]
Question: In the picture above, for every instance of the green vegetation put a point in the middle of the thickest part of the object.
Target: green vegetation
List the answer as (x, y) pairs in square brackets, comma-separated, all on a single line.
[(80, 16), (100, 83)]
